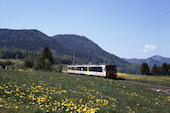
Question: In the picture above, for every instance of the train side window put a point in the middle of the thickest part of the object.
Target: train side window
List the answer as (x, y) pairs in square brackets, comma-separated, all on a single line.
[(90, 69), (81, 68), (72, 68), (95, 69), (78, 68), (99, 69)]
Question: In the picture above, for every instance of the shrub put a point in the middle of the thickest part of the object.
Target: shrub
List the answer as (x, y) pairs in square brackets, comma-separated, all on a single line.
[(39, 63), (60, 67), (48, 64), (28, 62)]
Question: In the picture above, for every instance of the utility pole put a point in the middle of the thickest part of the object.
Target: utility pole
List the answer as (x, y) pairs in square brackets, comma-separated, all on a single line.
[(73, 57), (168, 72)]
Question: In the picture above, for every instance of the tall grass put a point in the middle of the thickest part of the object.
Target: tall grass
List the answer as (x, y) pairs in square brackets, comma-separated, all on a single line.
[(41, 92), (155, 80)]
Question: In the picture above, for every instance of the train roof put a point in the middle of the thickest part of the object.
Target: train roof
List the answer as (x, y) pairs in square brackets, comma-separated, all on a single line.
[(84, 65)]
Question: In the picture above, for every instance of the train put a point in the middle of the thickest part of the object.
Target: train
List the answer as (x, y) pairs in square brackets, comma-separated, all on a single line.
[(103, 70)]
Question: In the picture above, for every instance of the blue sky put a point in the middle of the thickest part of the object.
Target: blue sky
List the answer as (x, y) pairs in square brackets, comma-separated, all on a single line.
[(126, 28)]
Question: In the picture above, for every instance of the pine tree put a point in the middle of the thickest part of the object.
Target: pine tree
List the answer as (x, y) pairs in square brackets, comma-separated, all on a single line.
[(164, 69), (155, 70), (144, 69), (46, 53)]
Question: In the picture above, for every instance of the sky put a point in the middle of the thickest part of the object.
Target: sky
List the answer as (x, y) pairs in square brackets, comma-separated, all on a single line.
[(125, 28)]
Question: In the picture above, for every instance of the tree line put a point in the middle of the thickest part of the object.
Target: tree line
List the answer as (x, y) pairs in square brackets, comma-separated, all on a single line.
[(163, 70), (42, 62), (14, 53)]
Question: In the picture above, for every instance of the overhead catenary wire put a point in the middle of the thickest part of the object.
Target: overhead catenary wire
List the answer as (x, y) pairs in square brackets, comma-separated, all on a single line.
[(138, 29), (163, 50), (143, 45), (131, 53)]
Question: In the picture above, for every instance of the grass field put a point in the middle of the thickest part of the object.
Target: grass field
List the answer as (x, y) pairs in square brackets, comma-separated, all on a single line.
[(15, 61), (155, 80), (41, 92)]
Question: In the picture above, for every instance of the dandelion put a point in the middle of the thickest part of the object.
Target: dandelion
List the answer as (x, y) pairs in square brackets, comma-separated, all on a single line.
[(124, 86), (156, 103)]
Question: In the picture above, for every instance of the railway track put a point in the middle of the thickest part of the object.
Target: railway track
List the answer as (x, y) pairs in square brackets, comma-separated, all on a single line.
[(149, 86), (152, 87)]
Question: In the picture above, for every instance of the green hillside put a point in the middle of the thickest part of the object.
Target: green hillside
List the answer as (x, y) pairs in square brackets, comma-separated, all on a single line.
[(88, 50), (32, 40), (62, 47)]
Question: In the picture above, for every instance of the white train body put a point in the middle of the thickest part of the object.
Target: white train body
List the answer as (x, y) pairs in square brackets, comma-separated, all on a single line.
[(108, 70)]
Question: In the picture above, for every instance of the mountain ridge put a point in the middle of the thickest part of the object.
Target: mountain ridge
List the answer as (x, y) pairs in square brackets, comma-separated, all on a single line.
[(83, 45), (156, 59), (35, 40), (27, 39)]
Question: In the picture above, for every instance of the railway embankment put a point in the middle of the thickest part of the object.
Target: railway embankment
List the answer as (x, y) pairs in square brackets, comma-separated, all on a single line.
[(157, 88)]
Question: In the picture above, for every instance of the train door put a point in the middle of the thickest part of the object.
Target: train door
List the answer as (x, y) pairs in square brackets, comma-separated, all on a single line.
[(87, 70), (75, 70)]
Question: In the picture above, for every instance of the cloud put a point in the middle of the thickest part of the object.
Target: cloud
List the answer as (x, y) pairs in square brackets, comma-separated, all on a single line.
[(149, 48)]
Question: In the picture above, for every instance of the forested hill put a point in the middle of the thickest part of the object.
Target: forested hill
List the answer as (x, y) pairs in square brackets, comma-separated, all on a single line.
[(88, 50), (33, 40), (85, 50)]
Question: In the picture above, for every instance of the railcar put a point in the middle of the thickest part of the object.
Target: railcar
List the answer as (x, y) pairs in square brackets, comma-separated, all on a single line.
[(107, 70)]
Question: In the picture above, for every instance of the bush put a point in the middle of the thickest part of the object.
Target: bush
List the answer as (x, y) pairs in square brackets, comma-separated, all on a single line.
[(28, 62), (8, 62), (60, 67), (39, 63), (48, 64)]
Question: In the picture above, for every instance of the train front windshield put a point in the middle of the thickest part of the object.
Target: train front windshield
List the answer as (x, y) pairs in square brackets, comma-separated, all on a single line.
[(110, 68)]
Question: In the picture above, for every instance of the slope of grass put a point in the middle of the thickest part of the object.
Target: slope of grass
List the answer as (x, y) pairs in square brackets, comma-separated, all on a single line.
[(155, 80), (15, 61), (41, 92)]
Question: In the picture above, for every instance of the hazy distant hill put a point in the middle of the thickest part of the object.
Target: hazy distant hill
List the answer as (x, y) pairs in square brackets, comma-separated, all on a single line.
[(88, 50), (158, 60)]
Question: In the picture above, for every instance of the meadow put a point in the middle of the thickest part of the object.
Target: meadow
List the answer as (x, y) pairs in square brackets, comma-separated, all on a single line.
[(41, 92), (155, 80), (15, 61)]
